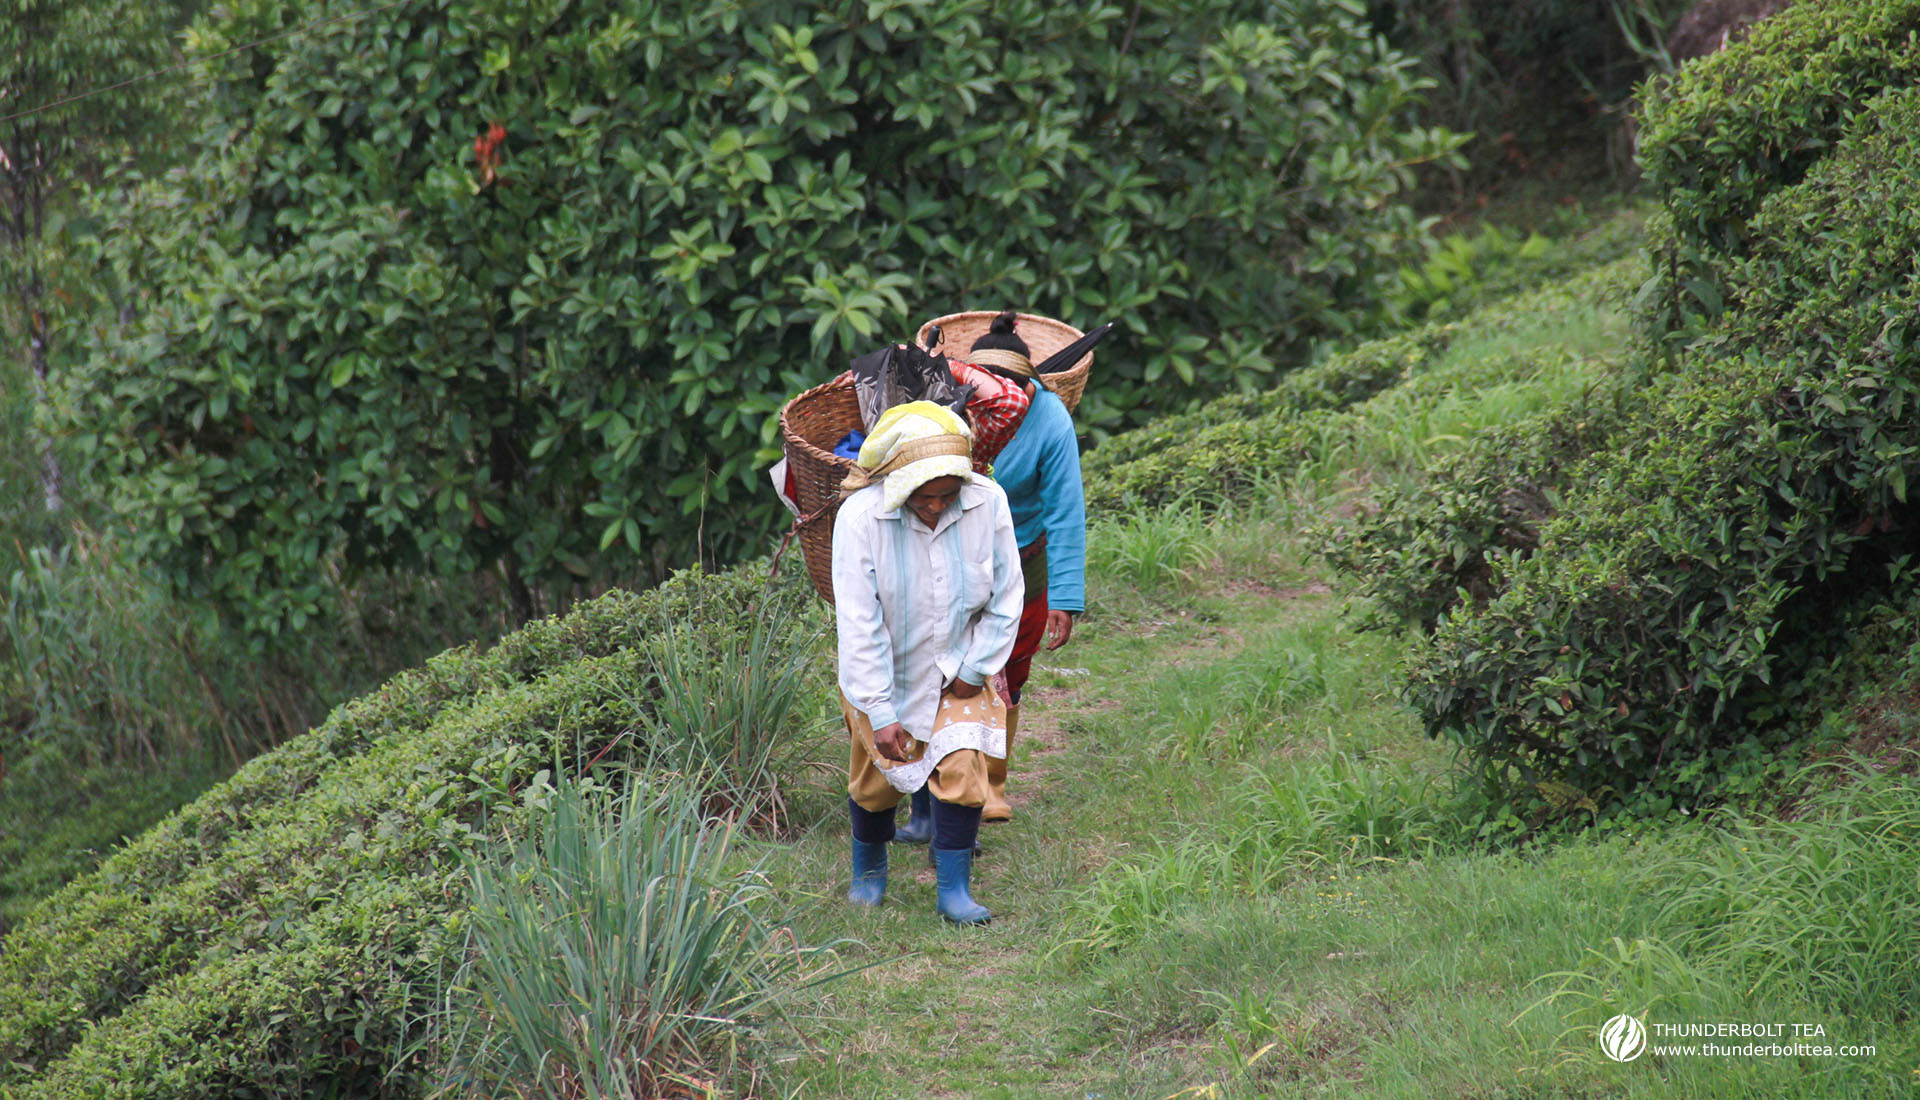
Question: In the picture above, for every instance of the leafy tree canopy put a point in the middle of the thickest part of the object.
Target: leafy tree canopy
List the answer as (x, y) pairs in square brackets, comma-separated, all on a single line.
[(460, 282)]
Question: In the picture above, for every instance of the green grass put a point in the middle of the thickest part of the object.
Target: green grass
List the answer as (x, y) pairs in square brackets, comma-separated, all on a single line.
[(1480, 382)]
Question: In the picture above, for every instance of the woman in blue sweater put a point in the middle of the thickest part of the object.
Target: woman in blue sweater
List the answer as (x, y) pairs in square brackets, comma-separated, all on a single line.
[(1040, 471)]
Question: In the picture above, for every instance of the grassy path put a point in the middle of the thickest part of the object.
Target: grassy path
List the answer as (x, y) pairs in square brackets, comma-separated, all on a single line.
[(1111, 757)]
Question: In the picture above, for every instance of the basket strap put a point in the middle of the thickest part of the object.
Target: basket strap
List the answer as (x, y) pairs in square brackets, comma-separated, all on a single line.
[(1011, 361), (1004, 358)]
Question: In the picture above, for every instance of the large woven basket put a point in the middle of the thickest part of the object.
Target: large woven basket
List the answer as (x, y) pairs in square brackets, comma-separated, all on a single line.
[(1043, 336), (810, 425)]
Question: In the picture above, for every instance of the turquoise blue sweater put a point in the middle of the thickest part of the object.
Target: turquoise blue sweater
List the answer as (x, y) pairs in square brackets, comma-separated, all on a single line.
[(1040, 470)]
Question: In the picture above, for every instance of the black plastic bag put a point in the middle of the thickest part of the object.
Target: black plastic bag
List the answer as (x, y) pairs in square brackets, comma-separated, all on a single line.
[(899, 373)]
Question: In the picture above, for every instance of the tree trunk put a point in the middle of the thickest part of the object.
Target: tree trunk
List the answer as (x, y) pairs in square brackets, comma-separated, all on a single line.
[(26, 220), (51, 478)]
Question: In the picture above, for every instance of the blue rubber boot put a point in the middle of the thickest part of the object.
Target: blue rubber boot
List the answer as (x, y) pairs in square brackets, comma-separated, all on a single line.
[(919, 826), (869, 872), (952, 870)]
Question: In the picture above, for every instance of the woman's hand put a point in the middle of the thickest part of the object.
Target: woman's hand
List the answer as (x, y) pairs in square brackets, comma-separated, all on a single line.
[(963, 690), (890, 741), (1060, 625)]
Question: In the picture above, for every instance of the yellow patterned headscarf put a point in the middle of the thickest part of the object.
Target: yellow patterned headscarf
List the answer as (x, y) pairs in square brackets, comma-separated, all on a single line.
[(910, 445)]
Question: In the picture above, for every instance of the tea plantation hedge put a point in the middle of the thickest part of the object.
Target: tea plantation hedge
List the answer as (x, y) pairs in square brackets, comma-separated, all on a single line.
[(272, 938), (1223, 452), (1741, 124), (1692, 566)]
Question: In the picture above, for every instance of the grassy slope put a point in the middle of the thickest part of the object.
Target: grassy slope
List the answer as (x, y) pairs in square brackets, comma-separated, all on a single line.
[(1234, 870)]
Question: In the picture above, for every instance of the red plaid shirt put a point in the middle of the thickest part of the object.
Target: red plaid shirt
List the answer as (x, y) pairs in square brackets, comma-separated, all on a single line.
[(996, 410)]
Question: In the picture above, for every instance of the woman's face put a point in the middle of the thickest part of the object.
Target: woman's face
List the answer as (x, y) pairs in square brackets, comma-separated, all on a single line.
[(933, 498)]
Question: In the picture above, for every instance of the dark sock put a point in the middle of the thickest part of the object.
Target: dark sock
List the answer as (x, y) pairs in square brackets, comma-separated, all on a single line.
[(871, 826), (954, 826)]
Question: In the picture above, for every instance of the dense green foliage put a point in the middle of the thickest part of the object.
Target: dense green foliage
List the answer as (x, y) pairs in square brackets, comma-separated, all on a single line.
[(1543, 85), (280, 931), (1651, 613), (1742, 124), (83, 85), (366, 337)]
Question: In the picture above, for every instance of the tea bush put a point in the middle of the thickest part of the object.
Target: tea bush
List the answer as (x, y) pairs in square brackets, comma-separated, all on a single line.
[(1677, 596), (363, 335), (1737, 126), (277, 932), (1428, 548)]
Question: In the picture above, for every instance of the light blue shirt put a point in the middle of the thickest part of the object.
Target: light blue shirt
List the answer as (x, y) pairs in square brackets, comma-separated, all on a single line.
[(1040, 470)]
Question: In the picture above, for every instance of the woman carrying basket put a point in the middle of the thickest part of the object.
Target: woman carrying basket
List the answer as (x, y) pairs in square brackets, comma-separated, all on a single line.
[(1040, 471), (927, 594)]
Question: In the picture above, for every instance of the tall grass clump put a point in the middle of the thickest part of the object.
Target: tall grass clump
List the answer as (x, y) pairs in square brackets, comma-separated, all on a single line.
[(1153, 551), (102, 665), (732, 711), (1824, 909), (619, 952)]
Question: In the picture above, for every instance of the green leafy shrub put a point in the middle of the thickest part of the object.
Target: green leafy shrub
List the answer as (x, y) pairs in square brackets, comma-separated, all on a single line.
[(274, 935), (1698, 574), (364, 336), (1455, 266), (1739, 125), (118, 54)]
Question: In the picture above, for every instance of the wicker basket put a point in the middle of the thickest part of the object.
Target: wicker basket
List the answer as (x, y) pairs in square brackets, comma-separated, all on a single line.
[(810, 425), (1043, 336)]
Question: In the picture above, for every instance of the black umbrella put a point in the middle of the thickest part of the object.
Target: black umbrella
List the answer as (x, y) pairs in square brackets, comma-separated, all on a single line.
[(1069, 355)]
